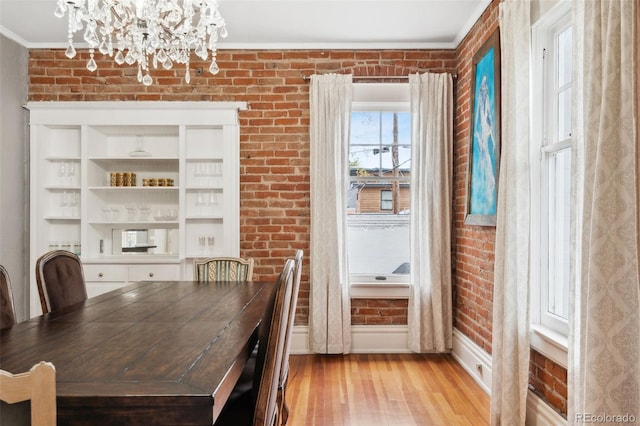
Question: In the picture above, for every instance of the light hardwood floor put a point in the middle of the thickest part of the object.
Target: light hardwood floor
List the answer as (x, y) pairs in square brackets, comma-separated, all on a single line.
[(383, 389)]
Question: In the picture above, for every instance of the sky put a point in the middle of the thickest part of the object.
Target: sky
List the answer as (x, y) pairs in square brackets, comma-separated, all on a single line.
[(375, 128)]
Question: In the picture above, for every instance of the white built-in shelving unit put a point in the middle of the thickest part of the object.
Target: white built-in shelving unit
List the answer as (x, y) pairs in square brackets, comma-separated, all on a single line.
[(133, 233)]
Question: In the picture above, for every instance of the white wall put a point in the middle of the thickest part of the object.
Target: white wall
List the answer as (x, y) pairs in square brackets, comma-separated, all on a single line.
[(540, 7), (14, 154)]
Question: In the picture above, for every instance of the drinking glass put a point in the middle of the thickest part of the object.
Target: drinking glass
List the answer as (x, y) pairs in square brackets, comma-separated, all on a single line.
[(71, 172), (62, 172), (201, 243)]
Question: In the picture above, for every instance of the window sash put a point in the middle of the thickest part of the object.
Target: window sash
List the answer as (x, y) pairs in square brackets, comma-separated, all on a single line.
[(552, 220), (365, 223)]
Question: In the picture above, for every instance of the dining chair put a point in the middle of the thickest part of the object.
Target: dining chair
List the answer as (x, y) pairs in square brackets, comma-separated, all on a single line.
[(258, 405), (60, 280), (222, 269), (284, 370), (7, 308), (38, 385)]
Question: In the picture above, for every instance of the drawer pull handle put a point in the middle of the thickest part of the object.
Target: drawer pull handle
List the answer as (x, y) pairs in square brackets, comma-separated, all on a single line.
[(151, 274), (100, 274)]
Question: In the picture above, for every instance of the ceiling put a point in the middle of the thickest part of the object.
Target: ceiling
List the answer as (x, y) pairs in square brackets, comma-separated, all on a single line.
[(293, 24)]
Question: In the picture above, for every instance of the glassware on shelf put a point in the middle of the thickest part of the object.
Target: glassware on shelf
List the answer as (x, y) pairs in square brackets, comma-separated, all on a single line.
[(210, 241), (74, 204), (132, 213), (165, 214), (62, 173), (198, 174), (200, 203), (64, 202), (71, 173), (144, 212), (201, 242), (111, 214), (139, 151)]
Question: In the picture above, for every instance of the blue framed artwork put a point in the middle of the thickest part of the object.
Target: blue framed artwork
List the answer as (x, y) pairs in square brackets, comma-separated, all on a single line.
[(484, 147)]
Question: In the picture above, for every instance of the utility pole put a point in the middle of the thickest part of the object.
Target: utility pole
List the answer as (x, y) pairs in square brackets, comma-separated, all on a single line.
[(395, 161)]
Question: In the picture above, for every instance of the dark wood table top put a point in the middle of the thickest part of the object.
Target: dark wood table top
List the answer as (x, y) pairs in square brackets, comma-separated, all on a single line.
[(149, 353)]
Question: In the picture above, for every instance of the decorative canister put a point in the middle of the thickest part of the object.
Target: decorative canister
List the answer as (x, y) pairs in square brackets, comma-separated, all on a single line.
[(127, 179), (119, 179)]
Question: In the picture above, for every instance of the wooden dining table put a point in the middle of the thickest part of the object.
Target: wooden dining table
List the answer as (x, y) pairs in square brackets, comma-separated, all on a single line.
[(151, 353)]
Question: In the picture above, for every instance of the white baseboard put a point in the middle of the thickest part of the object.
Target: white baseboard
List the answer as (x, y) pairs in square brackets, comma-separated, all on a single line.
[(300, 340), (539, 413), (473, 359), (379, 339), (364, 339)]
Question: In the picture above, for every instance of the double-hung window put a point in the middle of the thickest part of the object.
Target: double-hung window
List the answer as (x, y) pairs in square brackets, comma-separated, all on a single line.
[(551, 171), (378, 192)]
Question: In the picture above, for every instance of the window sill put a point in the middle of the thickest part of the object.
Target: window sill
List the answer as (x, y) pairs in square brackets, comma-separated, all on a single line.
[(379, 291), (549, 343)]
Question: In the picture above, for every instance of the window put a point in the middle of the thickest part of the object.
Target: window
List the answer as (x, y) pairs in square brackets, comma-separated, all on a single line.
[(551, 168), (386, 199), (378, 194)]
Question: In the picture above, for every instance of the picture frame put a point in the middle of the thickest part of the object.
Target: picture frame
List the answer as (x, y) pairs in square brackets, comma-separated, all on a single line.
[(483, 164)]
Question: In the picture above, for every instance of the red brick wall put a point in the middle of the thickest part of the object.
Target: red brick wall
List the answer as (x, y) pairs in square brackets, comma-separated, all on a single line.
[(274, 133), (379, 311), (474, 245), (548, 380)]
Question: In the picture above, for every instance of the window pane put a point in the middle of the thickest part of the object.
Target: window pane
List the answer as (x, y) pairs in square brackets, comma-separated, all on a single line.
[(564, 114), (564, 57), (378, 244), (364, 160), (396, 158), (402, 124), (365, 128), (379, 195), (375, 148), (559, 231)]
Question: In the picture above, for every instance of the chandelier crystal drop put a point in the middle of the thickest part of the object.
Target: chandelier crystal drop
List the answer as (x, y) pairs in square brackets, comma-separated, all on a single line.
[(151, 33)]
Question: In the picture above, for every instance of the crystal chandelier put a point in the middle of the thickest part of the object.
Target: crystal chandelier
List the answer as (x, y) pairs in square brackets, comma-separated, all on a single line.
[(158, 31)]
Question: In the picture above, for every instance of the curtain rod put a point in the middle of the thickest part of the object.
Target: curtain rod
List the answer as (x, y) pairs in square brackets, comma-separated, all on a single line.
[(378, 77)]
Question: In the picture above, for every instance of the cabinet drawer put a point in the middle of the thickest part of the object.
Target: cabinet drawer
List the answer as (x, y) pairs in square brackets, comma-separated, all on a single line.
[(154, 272), (104, 273)]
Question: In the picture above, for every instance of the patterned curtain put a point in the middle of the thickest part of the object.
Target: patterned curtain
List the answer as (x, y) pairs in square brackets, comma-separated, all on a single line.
[(330, 99), (510, 351), (430, 301), (604, 339)]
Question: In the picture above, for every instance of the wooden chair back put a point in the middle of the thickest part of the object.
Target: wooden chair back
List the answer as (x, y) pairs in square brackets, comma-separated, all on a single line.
[(284, 370), (37, 385), (7, 308), (223, 269), (60, 279), (271, 350)]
